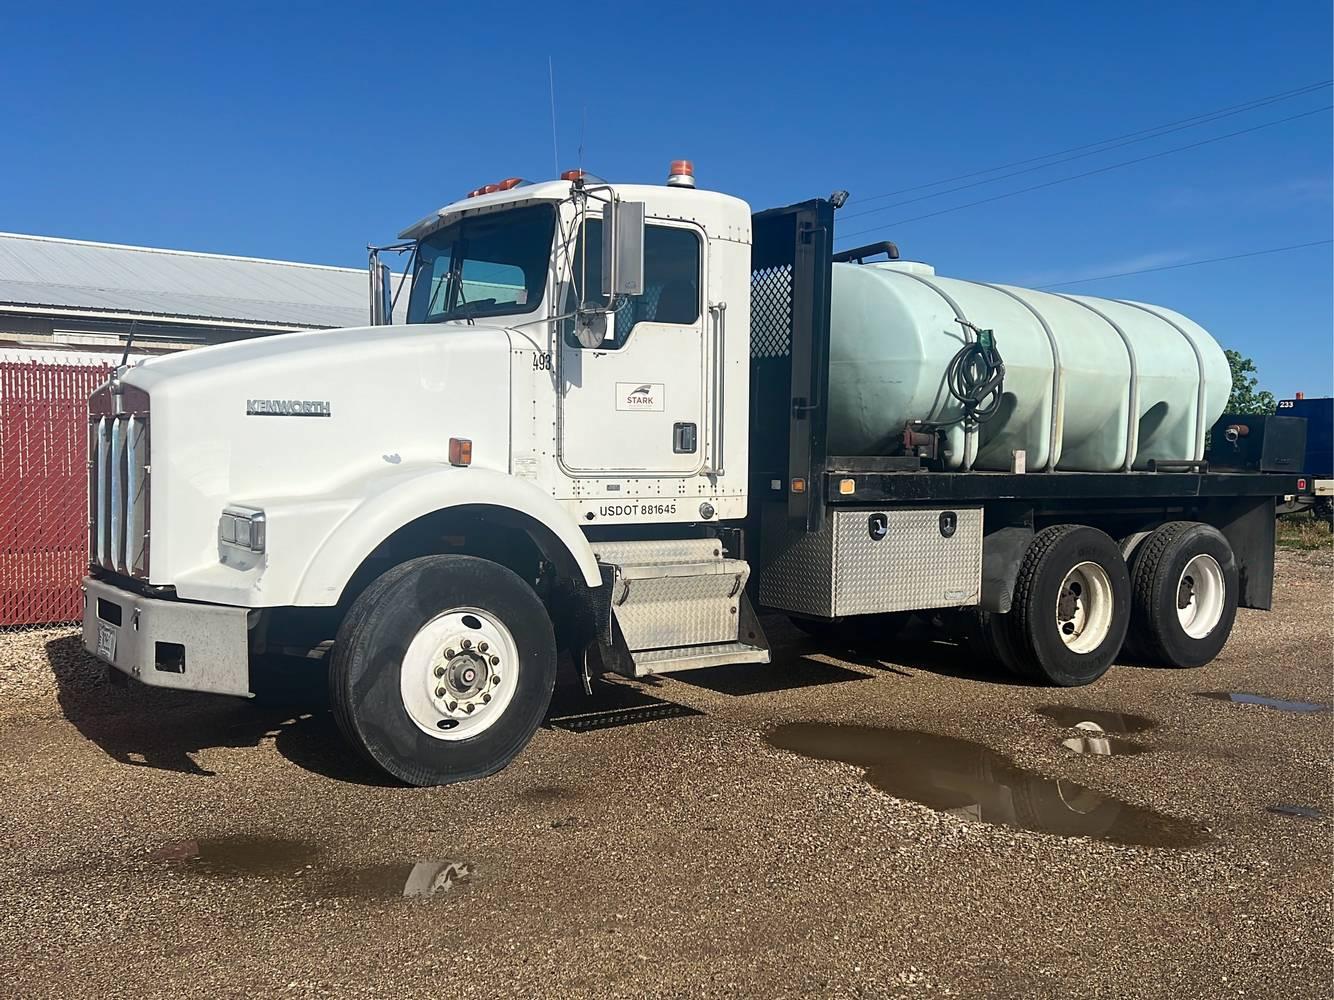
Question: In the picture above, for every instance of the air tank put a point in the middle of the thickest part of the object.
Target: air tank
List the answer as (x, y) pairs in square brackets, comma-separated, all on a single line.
[(1091, 385)]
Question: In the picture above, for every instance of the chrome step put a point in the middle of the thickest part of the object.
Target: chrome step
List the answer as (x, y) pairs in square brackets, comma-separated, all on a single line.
[(673, 593), (666, 661)]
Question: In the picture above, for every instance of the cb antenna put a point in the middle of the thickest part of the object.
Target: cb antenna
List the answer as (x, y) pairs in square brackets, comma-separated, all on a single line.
[(551, 85), (125, 357), (583, 130)]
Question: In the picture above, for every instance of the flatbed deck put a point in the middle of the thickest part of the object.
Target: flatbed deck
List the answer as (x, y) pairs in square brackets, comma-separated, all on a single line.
[(872, 486)]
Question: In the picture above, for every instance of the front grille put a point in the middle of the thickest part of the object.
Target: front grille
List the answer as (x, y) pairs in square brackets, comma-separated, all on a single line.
[(118, 471)]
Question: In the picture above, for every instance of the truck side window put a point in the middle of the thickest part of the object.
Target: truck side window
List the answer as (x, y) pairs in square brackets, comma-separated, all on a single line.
[(671, 280)]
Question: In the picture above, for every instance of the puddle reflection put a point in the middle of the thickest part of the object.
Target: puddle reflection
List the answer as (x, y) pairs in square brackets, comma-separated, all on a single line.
[(1279, 704), (1095, 742), (1071, 716), (970, 781), (1291, 809), (295, 862)]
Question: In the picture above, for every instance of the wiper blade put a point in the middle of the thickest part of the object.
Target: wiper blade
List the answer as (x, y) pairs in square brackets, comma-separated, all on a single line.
[(465, 310)]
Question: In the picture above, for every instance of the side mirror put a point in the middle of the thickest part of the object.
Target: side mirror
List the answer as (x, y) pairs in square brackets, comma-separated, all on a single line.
[(590, 328), (623, 248), (382, 292)]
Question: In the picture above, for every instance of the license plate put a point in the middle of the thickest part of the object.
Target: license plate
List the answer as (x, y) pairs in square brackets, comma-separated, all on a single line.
[(106, 641)]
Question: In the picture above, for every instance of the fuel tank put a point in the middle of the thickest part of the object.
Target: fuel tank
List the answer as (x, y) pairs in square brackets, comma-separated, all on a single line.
[(1091, 385)]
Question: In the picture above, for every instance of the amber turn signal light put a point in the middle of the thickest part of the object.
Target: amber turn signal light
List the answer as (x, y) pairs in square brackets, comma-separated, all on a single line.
[(460, 451)]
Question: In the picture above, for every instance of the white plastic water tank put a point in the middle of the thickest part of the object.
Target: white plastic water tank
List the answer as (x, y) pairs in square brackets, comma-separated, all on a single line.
[(1090, 384)]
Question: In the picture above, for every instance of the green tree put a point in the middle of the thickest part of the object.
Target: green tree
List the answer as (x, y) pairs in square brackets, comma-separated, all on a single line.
[(1245, 398)]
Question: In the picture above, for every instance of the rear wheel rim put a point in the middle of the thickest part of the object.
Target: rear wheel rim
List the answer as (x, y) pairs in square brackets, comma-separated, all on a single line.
[(1084, 606), (459, 674), (1201, 596)]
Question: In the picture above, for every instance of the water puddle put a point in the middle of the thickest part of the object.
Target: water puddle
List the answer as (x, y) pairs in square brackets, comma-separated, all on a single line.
[(1244, 698), (1096, 744), (1071, 716), (1289, 809), (425, 878), (238, 857), (974, 783), (296, 862), (549, 793)]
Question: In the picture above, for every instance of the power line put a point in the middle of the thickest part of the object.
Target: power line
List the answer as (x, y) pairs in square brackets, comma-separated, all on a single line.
[(1181, 123), (1089, 173), (1190, 263), (1104, 146)]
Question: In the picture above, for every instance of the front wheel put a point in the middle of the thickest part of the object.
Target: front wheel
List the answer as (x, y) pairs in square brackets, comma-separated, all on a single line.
[(443, 669)]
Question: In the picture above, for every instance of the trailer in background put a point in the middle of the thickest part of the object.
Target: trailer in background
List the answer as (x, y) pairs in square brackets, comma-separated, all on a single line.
[(1315, 488)]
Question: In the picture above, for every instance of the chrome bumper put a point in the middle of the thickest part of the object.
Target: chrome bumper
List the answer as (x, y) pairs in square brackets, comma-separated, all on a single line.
[(195, 647)]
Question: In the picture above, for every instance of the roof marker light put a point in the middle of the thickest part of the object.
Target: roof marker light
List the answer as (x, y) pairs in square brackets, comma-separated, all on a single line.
[(681, 174)]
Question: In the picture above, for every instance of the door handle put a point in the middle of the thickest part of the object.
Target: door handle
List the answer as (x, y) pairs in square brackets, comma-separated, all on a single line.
[(684, 438)]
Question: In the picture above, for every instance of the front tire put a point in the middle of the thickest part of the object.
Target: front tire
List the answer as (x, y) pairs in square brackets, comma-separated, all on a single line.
[(443, 669), (1071, 605), (1185, 594)]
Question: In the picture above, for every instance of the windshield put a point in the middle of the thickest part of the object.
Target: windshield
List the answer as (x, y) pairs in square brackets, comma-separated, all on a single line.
[(487, 265)]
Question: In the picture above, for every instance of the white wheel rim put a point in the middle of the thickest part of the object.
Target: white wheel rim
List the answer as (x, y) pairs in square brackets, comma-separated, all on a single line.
[(1084, 608), (1201, 595), (459, 674)]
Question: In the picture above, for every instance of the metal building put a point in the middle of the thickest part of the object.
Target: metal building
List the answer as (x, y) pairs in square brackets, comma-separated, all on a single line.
[(60, 294)]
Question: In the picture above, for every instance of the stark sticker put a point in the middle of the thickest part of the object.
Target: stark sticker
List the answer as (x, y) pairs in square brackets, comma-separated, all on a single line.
[(639, 395)]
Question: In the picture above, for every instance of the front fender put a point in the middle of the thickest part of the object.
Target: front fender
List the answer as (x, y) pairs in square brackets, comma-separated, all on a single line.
[(415, 493)]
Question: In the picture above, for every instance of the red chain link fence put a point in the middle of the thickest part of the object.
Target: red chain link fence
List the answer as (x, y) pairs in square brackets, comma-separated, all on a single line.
[(44, 488)]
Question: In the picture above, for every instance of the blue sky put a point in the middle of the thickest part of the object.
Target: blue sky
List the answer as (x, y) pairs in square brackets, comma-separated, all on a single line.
[(304, 131)]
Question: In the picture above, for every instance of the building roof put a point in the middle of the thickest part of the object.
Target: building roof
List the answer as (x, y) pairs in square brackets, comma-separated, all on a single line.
[(75, 277)]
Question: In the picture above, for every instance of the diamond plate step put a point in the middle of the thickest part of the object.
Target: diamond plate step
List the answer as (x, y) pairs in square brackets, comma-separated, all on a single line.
[(673, 593), (666, 661)]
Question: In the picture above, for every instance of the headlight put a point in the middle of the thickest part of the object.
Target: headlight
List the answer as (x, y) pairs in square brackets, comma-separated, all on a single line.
[(242, 527)]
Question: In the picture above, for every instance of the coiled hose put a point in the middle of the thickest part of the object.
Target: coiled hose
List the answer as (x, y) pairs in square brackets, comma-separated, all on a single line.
[(976, 377)]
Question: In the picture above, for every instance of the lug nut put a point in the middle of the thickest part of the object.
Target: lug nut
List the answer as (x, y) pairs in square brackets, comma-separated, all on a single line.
[(495, 678), (495, 661), (440, 671), (468, 709), (449, 654), (439, 692), (453, 705), (486, 698), (482, 647), (467, 644)]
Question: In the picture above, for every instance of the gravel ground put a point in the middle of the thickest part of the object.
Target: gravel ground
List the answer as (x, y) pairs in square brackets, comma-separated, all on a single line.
[(170, 845)]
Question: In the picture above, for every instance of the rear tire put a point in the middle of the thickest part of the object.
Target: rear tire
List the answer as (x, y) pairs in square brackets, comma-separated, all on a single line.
[(1185, 594), (443, 669), (1071, 605), (987, 635)]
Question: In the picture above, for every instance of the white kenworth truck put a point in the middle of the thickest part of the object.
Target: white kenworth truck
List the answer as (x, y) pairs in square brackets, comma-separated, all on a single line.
[(625, 421)]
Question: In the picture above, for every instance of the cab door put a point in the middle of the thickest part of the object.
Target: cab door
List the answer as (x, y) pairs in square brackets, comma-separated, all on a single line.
[(634, 405)]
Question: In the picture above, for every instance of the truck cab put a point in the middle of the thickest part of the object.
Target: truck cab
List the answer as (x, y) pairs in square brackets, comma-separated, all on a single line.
[(564, 412)]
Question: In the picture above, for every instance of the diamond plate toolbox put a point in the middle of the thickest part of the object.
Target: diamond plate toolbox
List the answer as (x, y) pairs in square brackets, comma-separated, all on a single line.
[(869, 561)]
